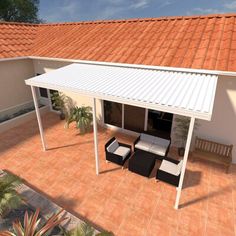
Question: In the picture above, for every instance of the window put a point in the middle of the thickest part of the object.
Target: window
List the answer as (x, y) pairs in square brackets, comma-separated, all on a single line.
[(43, 92), (159, 123), (51, 92), (113, 113), (134, 118)]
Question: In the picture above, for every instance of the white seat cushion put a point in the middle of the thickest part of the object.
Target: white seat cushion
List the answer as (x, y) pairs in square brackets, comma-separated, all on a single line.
[(122, 151), (143, 145), (158, 149), (170, 167), (113, 146)]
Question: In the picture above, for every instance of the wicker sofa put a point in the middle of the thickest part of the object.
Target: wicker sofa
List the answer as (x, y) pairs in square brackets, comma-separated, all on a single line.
[(152, 144)]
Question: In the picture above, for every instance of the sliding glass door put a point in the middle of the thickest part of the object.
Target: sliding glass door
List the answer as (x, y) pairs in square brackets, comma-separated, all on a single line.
[(113, 113), (137, 119), (134, 118), (159, 123)]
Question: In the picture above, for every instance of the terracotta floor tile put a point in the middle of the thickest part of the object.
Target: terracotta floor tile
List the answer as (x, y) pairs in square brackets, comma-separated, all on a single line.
[(221, 216), (213, 230), (119, 200)]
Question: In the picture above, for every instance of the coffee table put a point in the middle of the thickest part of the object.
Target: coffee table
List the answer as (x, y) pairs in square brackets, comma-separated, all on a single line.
[(142, 163)]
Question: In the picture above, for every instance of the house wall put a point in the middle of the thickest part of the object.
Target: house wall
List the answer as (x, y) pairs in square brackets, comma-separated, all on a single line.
[(222, 127), (14, 94), (44, 66)]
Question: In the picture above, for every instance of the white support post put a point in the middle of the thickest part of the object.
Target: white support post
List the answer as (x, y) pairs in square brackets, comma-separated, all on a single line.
[(38, 117), (123, 116), (146, 119), (187, 147), (95, 132)]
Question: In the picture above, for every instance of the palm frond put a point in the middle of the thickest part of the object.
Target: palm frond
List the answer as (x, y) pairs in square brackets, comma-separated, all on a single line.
[(9, 198), (82, 116), (31, 225)]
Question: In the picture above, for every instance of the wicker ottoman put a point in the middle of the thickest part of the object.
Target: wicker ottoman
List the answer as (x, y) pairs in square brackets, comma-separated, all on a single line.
[(142, 163)]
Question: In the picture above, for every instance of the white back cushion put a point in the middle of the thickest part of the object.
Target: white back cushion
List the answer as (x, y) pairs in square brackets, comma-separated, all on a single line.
[(143, 145), (147, 138), (113, 146), (161, 141)]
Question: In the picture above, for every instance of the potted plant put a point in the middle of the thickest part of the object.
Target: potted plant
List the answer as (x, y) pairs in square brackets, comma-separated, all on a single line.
[(181, 132), (58, 102), (82, 116), (9, 198)]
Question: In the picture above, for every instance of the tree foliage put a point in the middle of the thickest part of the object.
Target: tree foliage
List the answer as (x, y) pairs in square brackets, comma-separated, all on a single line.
[(19, 11), (9, 198)]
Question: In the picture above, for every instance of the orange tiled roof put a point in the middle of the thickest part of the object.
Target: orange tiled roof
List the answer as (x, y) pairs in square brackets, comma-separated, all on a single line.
[(16, 39), (203, 42)]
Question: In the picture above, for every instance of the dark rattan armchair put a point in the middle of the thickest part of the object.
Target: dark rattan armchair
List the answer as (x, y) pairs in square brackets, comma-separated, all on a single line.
[(117, 152)]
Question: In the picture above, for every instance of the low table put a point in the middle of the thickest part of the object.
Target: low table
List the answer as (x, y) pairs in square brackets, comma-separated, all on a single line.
[(142, 163)]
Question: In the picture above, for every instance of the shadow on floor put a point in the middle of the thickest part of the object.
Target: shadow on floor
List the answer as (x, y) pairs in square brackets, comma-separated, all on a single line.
[(110, 170), (193, 178), (68, 145), (212, 194), (23, 132)]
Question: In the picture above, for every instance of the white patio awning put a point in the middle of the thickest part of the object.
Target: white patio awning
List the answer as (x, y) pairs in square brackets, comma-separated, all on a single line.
[(180, 92), (184, 93)]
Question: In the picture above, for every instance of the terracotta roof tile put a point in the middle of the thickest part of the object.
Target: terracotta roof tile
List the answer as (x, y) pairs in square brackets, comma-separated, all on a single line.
[(194, 41)]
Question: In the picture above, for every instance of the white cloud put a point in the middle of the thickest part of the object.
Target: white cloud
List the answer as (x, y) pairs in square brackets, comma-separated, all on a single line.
[(203, 11), (231, 5), (112, 8), (67, 9), (166, 3), (140, 4)]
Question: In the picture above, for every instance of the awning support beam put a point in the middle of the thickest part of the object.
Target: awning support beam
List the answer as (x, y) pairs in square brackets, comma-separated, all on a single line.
[(95, 131), (36, 105), (186, 153)]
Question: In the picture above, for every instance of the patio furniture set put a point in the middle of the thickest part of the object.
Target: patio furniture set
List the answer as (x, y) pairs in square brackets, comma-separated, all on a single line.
[(147, 150)]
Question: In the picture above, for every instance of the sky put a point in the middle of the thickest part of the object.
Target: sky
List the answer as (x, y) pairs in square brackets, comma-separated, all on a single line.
[(84, 10)]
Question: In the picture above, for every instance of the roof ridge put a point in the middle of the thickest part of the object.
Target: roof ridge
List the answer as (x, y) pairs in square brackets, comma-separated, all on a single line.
[(18, 23), (125, 20), (142, 19)]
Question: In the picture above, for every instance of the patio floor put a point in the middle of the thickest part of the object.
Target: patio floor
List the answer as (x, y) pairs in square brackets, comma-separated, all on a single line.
[(118, 200)]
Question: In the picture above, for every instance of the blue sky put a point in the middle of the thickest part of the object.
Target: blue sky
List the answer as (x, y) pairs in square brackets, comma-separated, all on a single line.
[(82, 10)]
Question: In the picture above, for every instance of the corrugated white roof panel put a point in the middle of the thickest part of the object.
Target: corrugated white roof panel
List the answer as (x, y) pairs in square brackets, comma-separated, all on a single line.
[(183, 93)]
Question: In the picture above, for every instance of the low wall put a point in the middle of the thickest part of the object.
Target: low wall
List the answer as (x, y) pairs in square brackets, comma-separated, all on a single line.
[(4, 126)]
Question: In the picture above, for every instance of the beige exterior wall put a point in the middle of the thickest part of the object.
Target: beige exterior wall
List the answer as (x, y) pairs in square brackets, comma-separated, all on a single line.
[(14, 92), (222, 127)]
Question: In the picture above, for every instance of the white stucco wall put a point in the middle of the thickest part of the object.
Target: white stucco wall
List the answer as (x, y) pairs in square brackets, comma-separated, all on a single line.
[(14, 94)]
